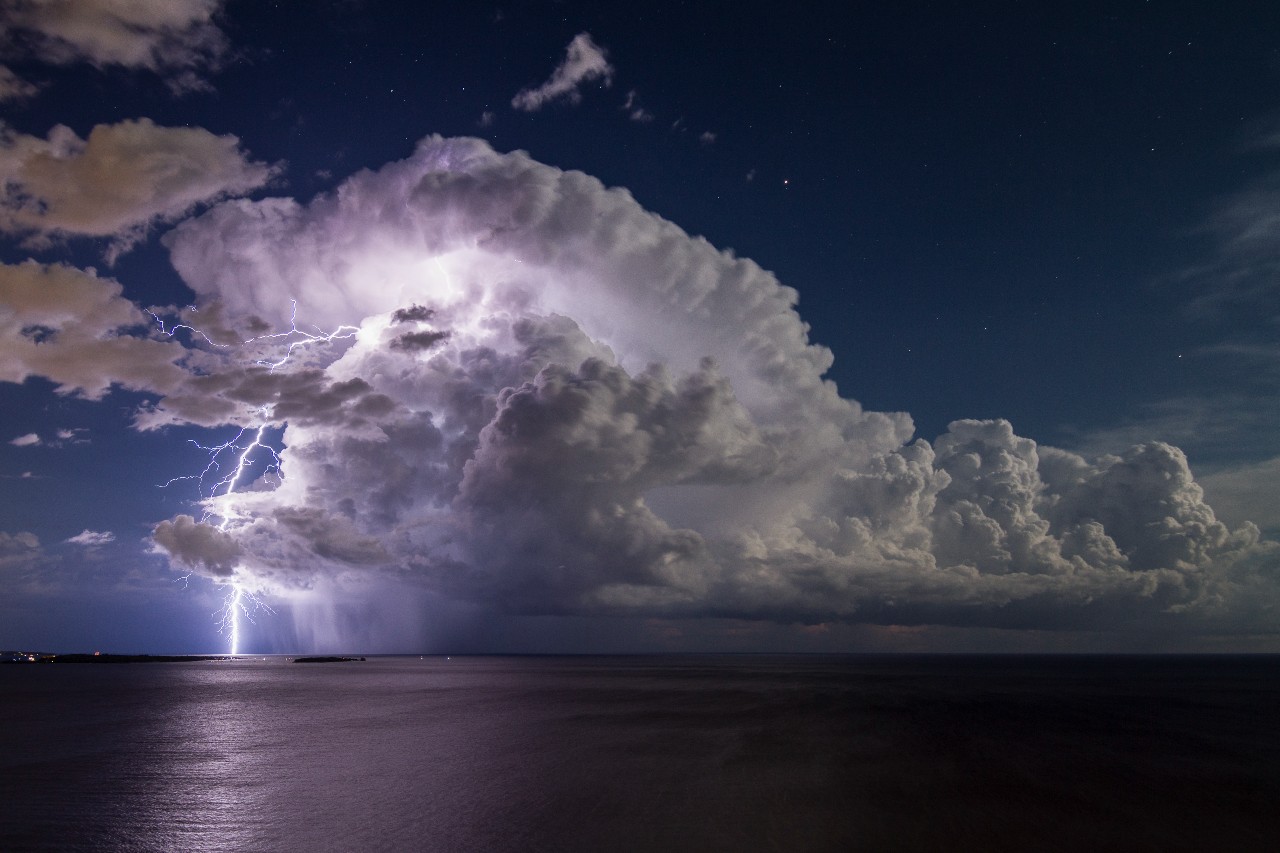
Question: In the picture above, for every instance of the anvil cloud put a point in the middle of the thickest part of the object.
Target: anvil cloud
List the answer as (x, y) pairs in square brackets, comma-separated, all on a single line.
[(559, 402)]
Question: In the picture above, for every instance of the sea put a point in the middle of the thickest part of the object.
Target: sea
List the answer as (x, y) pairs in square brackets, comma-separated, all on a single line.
[(669, 753)]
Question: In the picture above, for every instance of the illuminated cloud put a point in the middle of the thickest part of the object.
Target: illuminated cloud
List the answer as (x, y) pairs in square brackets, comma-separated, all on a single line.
[(558, 402), (584, 61), (31, 439), (118, 182), (76, 330), (92, 538), (175, 38)]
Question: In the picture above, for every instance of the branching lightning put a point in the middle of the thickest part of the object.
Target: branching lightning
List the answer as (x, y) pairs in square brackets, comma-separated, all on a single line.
[(300, 338), (243, 455), (230, 461), (238, 602)]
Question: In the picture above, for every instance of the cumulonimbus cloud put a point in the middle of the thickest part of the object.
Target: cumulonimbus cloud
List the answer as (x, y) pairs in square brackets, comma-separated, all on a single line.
[(118, 182), (558, 402), (584, 61)]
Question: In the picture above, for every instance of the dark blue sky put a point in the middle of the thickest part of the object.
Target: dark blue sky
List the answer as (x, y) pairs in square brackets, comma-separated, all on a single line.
[(1051, 214)]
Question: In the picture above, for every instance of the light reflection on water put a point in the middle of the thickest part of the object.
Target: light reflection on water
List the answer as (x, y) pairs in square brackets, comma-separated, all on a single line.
[(493, 754)]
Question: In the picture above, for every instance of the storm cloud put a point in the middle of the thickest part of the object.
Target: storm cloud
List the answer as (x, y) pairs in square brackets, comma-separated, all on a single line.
[(558, 402)]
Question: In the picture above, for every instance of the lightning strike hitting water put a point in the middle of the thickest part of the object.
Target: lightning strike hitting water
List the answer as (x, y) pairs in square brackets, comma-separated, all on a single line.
[(234, 605), (238, 601)]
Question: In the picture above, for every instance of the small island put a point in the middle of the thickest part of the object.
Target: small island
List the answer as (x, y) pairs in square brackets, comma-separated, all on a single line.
[(325, 660)]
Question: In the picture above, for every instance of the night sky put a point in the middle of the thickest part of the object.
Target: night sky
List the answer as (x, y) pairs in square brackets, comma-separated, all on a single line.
[(578, 327)]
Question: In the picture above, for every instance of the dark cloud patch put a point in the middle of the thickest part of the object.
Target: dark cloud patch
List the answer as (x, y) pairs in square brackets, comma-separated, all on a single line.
[(260, 394), (198, 546), (412, 314), (418, 341), (37, 333), (331, 537)]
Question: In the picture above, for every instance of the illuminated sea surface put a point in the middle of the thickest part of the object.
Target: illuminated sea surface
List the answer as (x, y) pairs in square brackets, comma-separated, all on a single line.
[(643, 753)]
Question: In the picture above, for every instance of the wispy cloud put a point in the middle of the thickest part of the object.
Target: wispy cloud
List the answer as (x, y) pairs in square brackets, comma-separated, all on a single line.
[(62, 436), (1231, 298), (92, 538), (13, 87), (634, 111), (18, 552), (584, 62)]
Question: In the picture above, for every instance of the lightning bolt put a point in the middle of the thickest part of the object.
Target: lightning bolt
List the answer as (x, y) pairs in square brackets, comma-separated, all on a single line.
[(238, 601), (293, 338), (297, 338), (236, 604), (242, 455), (237, 455)]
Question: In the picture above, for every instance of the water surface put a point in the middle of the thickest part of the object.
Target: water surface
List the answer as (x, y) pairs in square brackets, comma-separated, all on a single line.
[(643, 753)]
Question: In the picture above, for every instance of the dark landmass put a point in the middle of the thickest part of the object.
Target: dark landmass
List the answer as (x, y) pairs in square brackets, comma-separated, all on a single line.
[(98, 657), (325, 660), (102, 658)]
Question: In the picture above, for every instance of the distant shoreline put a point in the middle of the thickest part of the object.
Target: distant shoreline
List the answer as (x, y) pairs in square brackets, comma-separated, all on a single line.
[(11, 656), (102, 657), (97, 657)]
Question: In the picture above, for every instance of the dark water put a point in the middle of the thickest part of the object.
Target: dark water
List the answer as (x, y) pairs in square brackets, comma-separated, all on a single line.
[(671, 753)]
